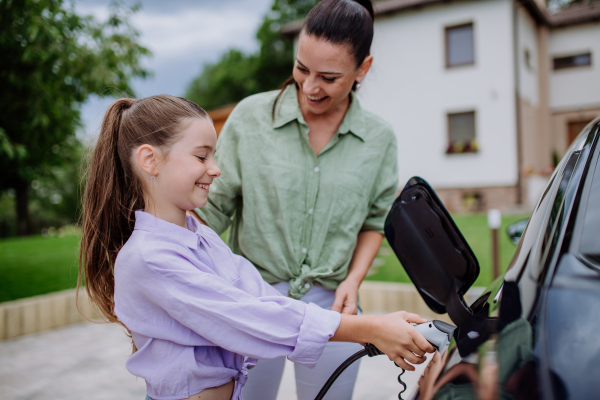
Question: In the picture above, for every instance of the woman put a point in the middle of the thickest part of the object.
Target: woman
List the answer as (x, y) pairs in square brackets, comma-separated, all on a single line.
[(307, 180)]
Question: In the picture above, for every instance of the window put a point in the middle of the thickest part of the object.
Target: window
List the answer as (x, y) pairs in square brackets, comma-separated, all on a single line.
[(461, 133), (590, 245), (527, 57), (459, 45), (578, 60)]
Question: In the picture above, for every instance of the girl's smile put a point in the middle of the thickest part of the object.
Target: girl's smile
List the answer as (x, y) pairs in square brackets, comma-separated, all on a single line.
[(203, 186)]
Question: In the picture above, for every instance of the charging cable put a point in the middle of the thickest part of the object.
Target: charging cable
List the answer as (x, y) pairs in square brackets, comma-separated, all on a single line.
[(369, 350)]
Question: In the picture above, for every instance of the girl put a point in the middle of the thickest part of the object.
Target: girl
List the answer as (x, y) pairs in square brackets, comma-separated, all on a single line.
[(198, 314)]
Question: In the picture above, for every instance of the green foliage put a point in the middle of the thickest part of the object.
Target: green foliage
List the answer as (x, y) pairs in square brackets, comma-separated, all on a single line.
[(52, 60), (227, 81), (237, 75)]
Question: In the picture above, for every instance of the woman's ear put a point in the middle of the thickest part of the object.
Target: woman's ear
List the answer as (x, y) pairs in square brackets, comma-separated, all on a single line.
[(147, 158), (364, 68)]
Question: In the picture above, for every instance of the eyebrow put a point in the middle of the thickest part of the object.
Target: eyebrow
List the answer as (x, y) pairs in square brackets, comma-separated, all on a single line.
[(319, 72), (205, 146)]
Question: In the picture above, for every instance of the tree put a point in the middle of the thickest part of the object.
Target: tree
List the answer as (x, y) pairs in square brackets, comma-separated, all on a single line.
[(52, 60), (237, 75)]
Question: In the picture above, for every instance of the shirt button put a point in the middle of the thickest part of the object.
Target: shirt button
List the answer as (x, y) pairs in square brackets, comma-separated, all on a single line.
[(317, 169), (310, 211), (307, 286), (304, 250)]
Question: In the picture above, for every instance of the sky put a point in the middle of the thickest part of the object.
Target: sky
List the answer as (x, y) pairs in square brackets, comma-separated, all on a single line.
[(183, 35)]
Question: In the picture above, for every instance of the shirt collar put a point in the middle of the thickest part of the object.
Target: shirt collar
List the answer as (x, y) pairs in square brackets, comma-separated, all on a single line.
[(288, 110), (177, 234)]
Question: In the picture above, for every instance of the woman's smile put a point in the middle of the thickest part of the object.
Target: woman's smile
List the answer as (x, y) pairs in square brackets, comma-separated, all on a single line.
[(316, 100)]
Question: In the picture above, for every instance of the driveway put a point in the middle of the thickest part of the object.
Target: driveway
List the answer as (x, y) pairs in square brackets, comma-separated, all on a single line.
[(87, 361)]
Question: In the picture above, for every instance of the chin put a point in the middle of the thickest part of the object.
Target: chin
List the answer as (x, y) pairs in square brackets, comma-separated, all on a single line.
[(200, 204)]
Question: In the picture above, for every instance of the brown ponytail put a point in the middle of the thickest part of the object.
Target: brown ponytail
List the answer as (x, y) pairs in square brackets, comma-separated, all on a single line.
[(113, 192)]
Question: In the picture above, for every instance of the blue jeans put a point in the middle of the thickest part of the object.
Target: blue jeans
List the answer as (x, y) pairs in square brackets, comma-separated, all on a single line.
[(147, 398)]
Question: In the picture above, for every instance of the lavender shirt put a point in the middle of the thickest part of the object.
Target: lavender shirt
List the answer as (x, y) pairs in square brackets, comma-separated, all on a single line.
[(199, 314)]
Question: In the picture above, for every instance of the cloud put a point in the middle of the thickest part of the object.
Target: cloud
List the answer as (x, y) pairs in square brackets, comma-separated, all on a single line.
[(183, 35), (173, 35)]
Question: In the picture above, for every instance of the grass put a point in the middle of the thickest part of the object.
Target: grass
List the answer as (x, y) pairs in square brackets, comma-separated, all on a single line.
[(38, 265), (386, 266)]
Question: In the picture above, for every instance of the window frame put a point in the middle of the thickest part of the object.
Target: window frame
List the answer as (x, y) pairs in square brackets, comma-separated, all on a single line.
[(447, 45), (569, 67), (473, 147)]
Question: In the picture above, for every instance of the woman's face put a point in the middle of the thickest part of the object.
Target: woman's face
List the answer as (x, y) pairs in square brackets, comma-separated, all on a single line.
[(325, 73)]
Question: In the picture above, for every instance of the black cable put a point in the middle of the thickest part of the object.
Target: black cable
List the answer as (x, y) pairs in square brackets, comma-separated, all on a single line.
[(369, 350)]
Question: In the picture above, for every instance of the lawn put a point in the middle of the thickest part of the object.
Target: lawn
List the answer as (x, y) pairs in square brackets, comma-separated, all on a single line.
[(37, 265)]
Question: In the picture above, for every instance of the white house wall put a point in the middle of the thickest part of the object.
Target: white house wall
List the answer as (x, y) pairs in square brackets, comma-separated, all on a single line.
[(527, 41), (411, 88), (575, 88)]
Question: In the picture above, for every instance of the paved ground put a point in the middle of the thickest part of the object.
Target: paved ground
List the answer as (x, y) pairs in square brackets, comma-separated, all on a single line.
[(87, 361)]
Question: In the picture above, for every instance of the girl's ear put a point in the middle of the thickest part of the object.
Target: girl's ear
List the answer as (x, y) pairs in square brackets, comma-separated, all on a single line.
[(147, 159)]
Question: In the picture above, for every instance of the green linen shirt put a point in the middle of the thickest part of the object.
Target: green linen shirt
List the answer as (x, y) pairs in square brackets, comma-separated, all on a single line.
[(295, 215)]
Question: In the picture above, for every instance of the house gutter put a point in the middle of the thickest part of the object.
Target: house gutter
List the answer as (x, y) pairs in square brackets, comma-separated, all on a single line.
[(518, 132)]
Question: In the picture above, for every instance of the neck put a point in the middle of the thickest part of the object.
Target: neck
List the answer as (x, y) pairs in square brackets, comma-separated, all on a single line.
[(170, 214)]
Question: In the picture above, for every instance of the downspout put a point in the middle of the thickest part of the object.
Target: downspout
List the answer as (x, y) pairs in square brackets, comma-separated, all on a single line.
[(515, 27)]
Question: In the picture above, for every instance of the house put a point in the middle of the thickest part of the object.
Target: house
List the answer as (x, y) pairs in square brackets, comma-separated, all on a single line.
[(484, 96)]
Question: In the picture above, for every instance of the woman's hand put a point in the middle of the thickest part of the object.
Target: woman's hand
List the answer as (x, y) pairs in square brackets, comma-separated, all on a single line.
[(346, 298)]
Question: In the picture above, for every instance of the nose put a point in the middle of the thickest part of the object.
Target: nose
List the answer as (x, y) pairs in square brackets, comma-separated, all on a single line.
[(214, 170), (310, 85)]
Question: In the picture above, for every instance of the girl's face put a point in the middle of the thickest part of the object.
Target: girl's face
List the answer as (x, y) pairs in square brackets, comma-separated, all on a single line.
[(325, 73), (183, 176)]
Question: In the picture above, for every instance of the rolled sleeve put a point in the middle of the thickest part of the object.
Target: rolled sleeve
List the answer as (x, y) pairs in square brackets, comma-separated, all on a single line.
[(384, 190), (317, 328)]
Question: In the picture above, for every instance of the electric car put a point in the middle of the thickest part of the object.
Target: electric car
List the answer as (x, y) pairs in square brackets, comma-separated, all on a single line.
[(535, 332)]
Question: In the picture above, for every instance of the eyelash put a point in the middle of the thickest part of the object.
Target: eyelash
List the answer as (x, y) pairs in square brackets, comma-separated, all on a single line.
[(328, 80), (202, 159)]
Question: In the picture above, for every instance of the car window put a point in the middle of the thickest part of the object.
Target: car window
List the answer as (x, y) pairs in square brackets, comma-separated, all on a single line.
[(528, 240), (590, 240), (556, 213)]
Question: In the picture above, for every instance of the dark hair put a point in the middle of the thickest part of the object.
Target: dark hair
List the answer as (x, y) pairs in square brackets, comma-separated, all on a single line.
[(113, 192), (347, 22)]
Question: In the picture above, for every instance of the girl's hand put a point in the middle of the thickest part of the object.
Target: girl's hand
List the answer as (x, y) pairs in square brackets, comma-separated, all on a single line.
[(346, 298), (400, 341)]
